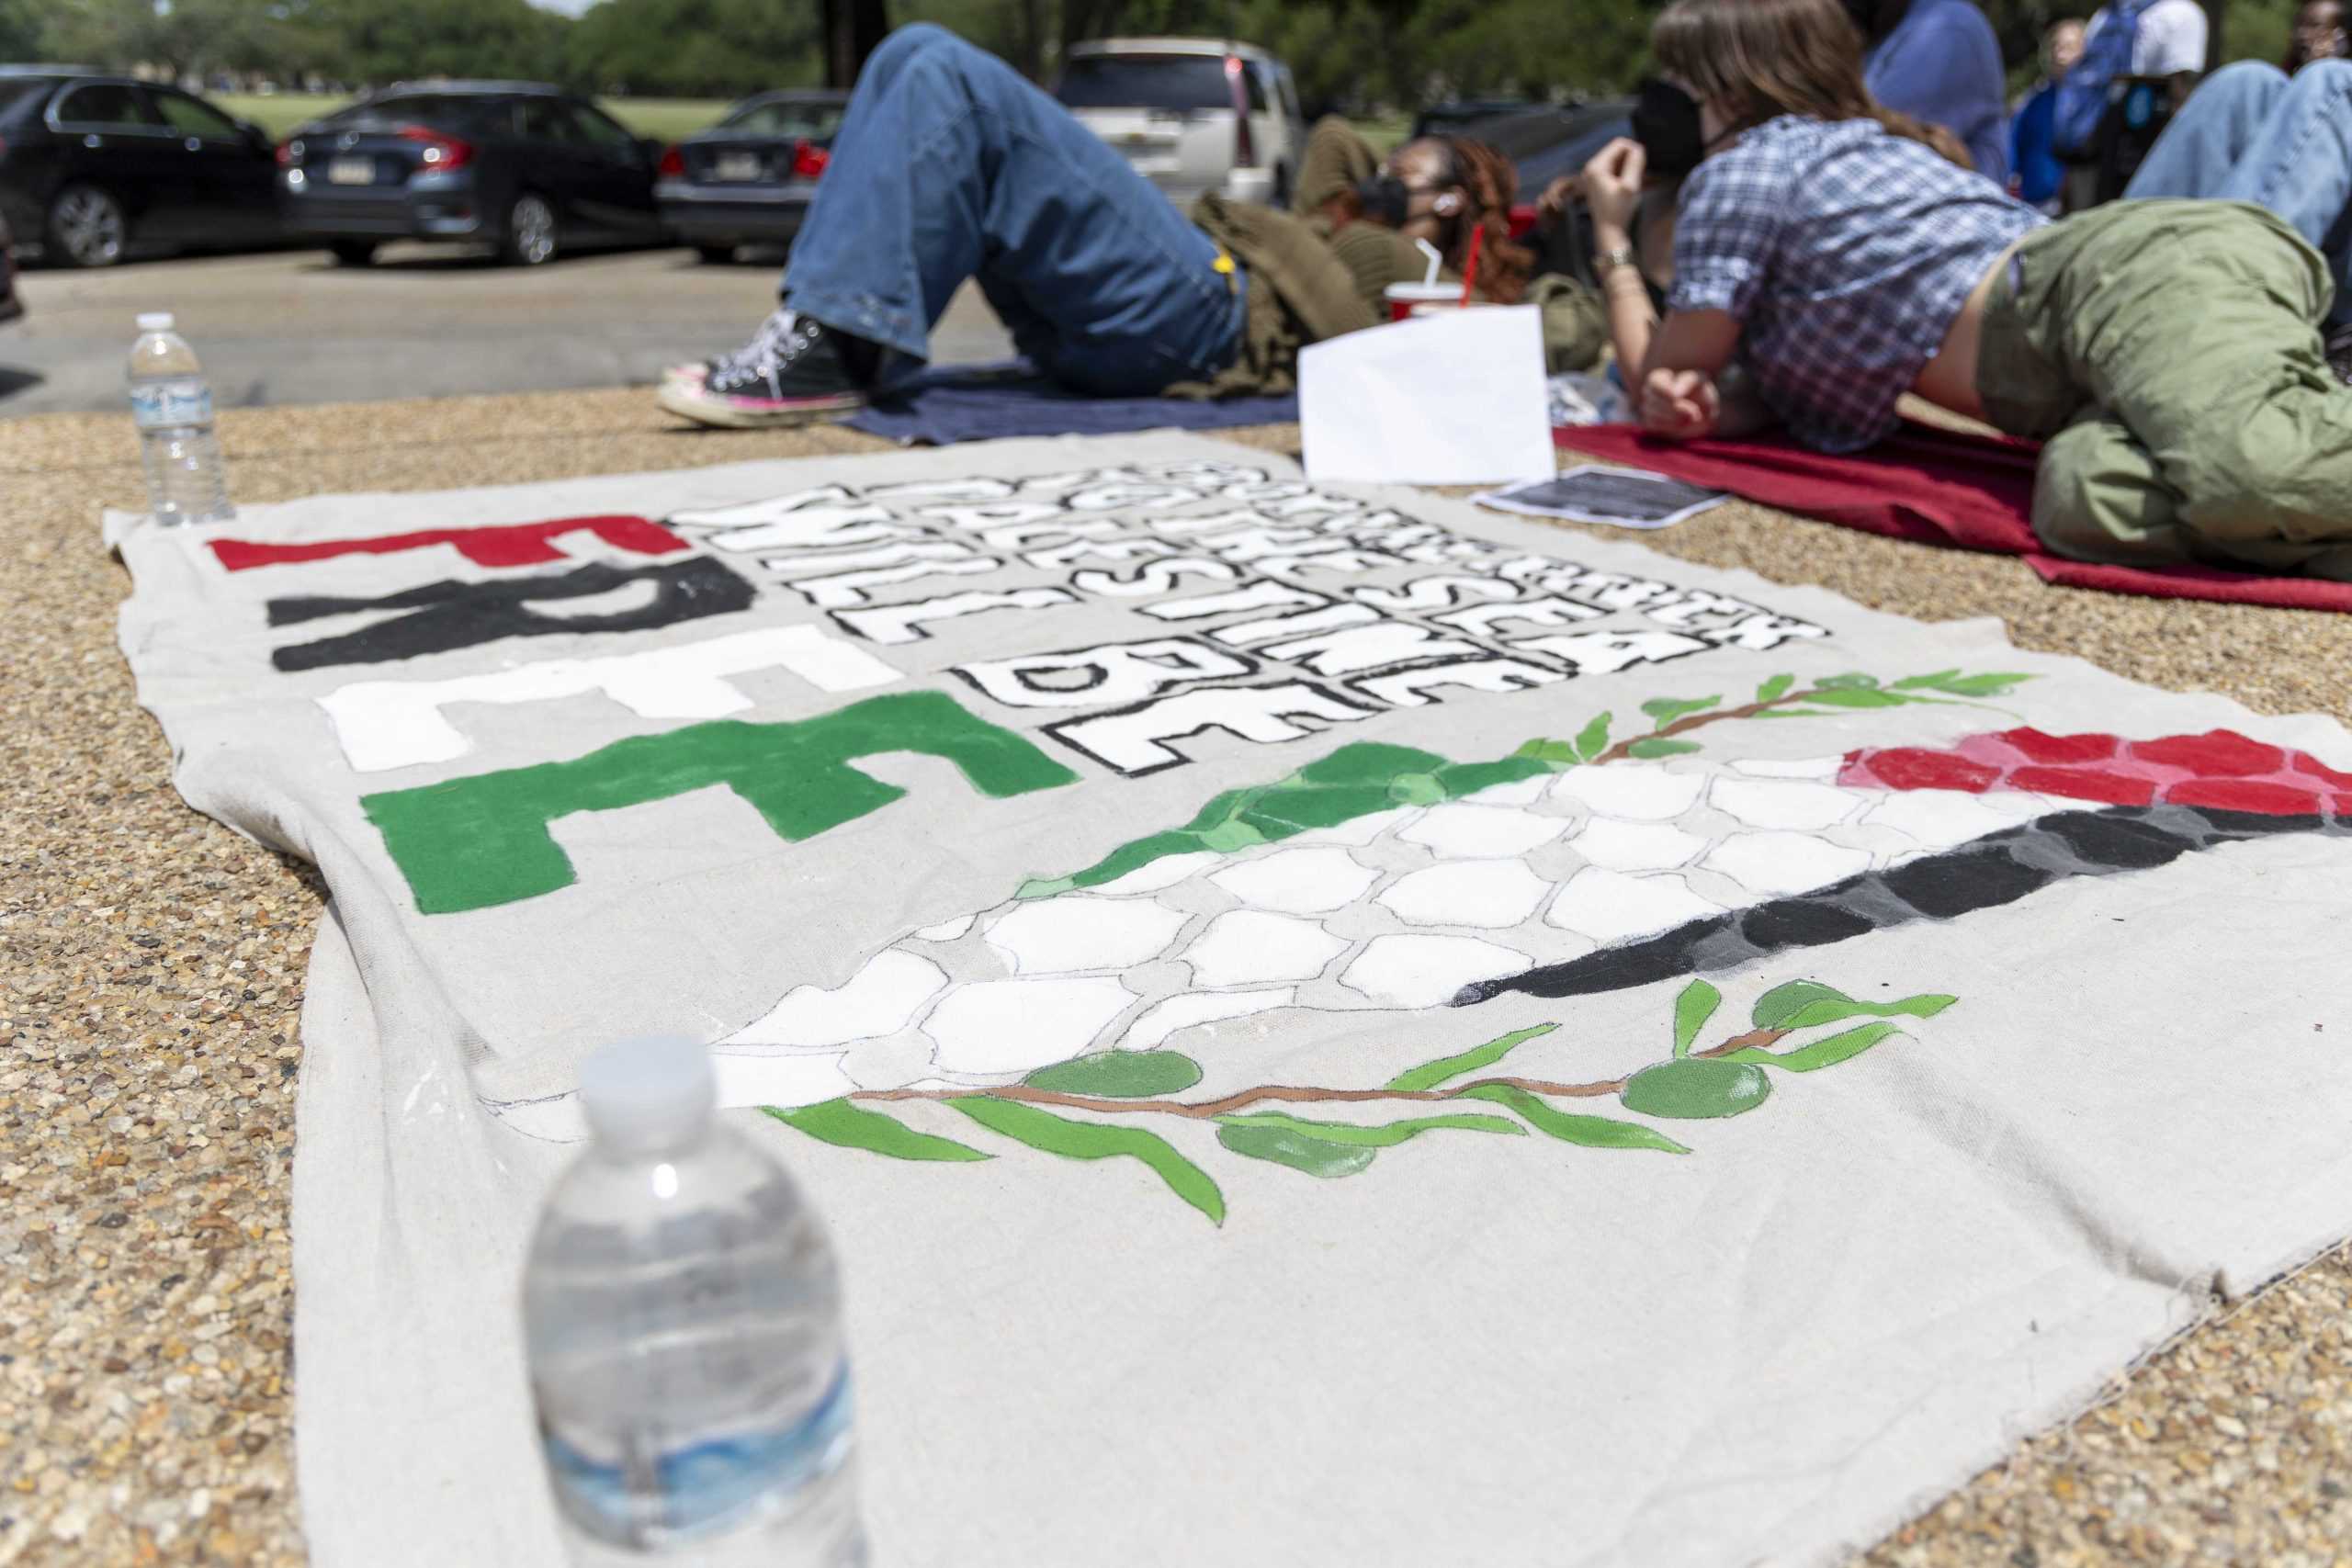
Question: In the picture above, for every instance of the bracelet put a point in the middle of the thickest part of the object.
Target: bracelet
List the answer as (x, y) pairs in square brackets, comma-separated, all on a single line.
[(1613, 258)]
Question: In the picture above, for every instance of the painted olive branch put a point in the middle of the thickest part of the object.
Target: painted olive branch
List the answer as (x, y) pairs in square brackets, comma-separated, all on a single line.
[(1624, 748), (1204, 1110)]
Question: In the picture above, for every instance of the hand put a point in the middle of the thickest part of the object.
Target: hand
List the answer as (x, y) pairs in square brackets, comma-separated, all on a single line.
[(1554, 203), (1613, 184), (1682, 405)]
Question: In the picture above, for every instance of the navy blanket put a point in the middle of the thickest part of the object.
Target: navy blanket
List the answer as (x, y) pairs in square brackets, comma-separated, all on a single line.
[(982, 402)]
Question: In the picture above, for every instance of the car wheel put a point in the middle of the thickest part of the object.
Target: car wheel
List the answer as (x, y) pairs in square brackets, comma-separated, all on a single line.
[(88, 227), (530, 231), (351, 253), (716, 255)]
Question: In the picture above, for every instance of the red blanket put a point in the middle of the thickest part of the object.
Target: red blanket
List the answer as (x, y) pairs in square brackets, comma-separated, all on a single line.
[(1938, 486)]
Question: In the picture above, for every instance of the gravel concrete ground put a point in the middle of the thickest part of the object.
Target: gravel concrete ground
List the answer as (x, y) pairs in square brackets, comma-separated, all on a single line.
[(151, 973), (292, 327)]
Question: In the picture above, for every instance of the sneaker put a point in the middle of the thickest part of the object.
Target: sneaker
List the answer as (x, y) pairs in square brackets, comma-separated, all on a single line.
[(802, 377), (763, 344), (2339, 353)]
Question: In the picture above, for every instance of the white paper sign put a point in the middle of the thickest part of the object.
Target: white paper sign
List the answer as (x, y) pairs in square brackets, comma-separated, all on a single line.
[(1457, 398)]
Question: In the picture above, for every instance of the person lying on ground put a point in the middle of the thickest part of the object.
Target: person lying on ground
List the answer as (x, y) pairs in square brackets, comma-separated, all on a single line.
[(949, 166), (1449, 193), (2167, 353), (2035, 173), (2251, 133), (1938, 62)]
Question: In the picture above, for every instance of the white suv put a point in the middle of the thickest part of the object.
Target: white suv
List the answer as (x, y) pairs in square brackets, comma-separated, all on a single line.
[(1191, 115)]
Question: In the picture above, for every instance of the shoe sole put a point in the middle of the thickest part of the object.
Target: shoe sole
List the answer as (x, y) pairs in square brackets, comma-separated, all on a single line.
[(690, 402)]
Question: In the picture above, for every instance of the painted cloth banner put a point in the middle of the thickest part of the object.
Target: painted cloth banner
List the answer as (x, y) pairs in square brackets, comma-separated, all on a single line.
[(1329, 1027)]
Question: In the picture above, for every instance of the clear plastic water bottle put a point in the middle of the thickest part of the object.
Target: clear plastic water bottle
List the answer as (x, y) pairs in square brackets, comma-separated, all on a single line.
[(172, 405), (682, 1316)]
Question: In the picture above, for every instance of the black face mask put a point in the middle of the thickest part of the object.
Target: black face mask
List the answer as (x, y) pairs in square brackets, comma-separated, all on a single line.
[(1665, 122), (1385, 199)]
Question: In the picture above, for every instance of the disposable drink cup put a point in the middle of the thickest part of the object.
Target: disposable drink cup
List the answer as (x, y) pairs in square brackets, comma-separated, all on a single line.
[(1407, 300)]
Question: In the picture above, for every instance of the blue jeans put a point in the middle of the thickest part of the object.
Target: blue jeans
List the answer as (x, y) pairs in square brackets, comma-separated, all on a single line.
[(2250, 133), (947, 166)]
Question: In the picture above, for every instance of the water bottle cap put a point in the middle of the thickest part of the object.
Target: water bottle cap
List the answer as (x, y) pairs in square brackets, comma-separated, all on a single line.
[(155, 321), (648, 1093)]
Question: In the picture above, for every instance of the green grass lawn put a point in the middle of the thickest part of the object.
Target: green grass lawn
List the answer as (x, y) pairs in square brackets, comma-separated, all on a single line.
[(668, 119)]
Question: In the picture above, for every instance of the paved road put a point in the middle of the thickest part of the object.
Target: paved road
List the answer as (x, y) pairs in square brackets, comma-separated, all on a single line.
[(294, 328)]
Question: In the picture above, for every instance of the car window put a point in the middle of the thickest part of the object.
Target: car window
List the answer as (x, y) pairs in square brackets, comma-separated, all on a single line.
[(1153, 82), (599, 129), (105, 103), (816, 122), (547, 120), (191, 118), (1289, 92), (438, 111)]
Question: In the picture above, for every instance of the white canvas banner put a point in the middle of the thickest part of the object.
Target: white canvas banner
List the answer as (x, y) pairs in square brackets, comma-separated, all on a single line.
[(1329, 1027)]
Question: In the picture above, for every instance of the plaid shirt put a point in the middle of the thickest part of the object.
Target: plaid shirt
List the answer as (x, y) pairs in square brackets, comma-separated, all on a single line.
[(1844, 253)]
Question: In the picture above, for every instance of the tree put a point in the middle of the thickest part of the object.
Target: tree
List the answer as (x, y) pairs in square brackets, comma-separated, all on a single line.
[(853, 29)]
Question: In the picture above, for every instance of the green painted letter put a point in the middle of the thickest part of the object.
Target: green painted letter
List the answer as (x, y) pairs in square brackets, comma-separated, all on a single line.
[(473, 843)]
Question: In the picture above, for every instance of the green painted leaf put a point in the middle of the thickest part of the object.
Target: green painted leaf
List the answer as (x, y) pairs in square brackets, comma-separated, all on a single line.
[(1387, 1135), (1775, 688), (1836, 1008), (1092, 1140), (1697, 1088), (1845, 683), (1593, 739), (1563, 752), (1692, 1008), (1918, 683), (1792, 712), (1587, 1132), (1666, 710), (1654, 745), (1784, 1001), (847, 1126), (1821, 1052), (1986, 686), (1854, 697), (1429, 1074), (1316, 1157), (1120, 1075)]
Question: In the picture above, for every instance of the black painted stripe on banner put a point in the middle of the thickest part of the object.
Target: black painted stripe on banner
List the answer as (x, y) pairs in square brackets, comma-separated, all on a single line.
[(1999, 868), (444, 616)]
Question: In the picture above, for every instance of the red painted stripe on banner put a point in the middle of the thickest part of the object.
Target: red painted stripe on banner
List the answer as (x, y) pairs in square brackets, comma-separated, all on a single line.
[(2219, 769), (509, 543)]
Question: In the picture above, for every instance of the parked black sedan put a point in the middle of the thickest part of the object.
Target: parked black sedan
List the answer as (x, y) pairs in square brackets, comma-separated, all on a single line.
[(525, 167), (10, 305), (94, 166), (748, 179)]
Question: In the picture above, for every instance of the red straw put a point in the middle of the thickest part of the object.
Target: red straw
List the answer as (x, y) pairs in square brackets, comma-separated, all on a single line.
[(1470, 268)]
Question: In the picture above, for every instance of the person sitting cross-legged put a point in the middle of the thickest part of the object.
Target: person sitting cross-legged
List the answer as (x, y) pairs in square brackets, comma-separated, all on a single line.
[(949, 166)]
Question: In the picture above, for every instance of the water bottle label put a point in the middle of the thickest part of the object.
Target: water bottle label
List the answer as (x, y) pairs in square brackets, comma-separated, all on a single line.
[(168, 405), (703, 1488)]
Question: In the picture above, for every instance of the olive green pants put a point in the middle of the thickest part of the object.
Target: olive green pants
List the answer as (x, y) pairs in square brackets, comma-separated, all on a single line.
[(2168, 354)]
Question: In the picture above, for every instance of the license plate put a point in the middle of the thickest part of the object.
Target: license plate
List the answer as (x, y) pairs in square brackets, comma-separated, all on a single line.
[(738, 166), (350, 172)]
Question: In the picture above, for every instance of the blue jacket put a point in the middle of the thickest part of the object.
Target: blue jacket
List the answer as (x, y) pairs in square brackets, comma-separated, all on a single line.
[(1942, 64), (2033, 147)]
